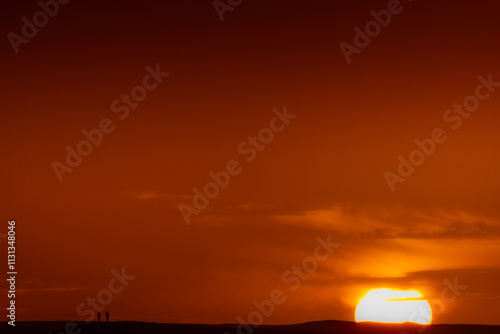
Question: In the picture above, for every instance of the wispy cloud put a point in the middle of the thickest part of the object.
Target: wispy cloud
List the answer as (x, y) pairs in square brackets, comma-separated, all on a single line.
[(378, 223), (147, 195)]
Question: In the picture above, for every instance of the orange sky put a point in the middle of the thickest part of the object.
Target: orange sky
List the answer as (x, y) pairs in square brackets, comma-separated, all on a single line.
[(322, 175)]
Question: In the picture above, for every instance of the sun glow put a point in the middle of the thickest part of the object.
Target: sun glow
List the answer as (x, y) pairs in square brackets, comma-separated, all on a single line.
[(392, 306)]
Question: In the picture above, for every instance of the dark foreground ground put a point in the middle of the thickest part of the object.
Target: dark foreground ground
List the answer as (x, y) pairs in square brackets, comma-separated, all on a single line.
[(320, 327)]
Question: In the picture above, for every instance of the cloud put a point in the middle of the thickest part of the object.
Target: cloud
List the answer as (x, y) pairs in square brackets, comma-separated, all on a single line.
[(147, 195), (388, 223)]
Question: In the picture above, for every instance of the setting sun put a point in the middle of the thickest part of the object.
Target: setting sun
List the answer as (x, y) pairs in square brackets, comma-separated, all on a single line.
[(392, 306)]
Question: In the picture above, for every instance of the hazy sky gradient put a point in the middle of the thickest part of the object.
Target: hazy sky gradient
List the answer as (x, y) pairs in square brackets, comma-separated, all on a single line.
[(322, 175)]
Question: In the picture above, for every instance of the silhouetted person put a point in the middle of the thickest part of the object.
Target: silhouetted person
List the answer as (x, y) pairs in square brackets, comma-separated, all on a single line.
[(107, 316), (98, 316)]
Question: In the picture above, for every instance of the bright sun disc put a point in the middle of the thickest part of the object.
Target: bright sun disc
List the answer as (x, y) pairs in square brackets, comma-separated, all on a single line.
[(392, 306)]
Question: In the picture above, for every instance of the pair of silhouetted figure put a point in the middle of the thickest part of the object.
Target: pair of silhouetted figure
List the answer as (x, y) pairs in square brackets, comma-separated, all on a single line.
[(99, 316)]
